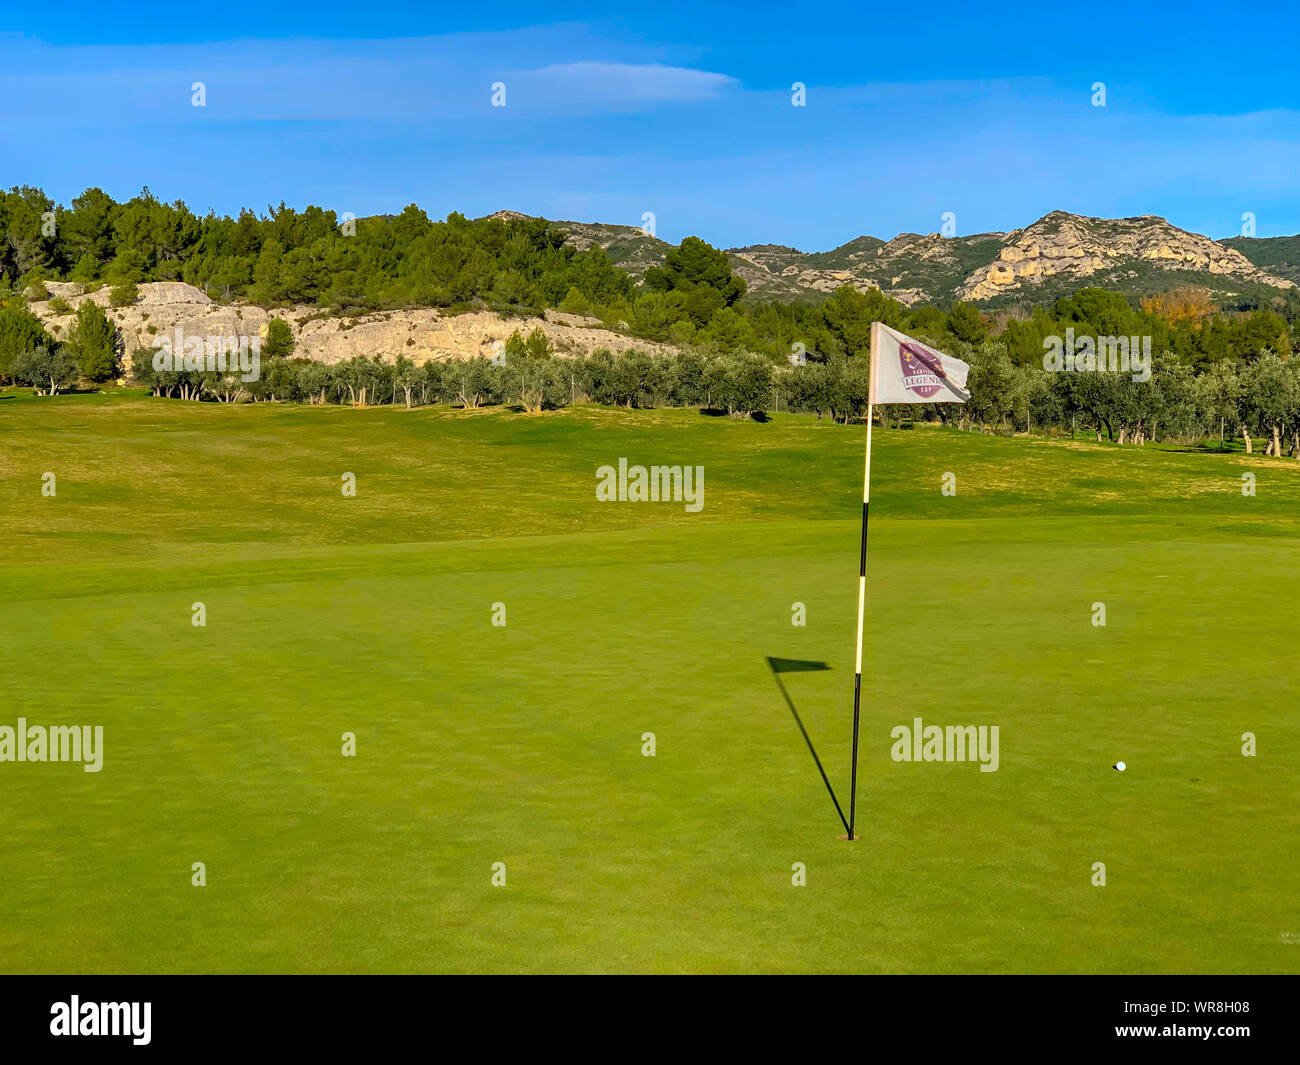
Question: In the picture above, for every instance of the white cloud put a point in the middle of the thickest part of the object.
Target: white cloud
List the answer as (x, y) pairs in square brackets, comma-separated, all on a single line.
[(599, 82)]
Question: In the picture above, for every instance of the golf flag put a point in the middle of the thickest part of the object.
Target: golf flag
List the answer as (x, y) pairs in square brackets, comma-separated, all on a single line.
[(904, 370)]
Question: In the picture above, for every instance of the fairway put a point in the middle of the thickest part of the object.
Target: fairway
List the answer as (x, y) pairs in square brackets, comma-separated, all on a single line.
[(522, 743)]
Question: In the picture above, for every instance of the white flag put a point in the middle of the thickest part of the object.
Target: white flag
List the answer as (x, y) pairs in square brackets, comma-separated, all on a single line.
[(904, 370)]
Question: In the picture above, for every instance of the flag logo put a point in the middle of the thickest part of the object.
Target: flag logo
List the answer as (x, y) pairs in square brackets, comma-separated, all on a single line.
[(904, 370), (922, 369)]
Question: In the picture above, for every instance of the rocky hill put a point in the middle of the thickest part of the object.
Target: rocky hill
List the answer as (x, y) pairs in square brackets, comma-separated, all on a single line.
[(420, 334), (1279, 256), (1129, 254), (1052, 257), (912, 268)]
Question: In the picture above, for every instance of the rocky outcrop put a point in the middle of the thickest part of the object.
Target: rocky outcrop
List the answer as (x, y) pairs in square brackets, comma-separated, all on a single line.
[(419, 334), (1077, 248), (912, 268)]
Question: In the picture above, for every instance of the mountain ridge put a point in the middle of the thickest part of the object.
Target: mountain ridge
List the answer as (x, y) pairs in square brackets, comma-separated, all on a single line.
[(1052, 256)]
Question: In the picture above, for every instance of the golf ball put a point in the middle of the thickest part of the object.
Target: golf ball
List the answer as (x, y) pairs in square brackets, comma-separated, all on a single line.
[(1120, 766)]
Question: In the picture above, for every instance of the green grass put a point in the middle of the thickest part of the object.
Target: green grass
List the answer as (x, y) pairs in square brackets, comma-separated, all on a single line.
[(522, 744)]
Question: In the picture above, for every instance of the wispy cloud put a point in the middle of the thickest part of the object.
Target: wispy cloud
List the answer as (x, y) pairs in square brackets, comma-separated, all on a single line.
[(602, 83), (310, 80)]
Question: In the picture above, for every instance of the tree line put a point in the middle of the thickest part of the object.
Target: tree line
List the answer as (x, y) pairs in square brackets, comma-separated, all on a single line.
[(522, 266), (1258, 398), (1216, 370), (1248, 398)]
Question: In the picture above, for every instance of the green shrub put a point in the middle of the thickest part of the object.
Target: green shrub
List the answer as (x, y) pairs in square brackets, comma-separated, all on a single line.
[(124, 295)]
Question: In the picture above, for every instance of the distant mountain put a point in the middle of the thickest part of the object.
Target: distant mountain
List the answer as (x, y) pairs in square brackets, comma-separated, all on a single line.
[(1280, 256), (1138, 255), (1054, 256), (911, 267)]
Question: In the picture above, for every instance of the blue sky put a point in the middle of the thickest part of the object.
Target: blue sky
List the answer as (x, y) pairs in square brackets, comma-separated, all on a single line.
[(682, 110)]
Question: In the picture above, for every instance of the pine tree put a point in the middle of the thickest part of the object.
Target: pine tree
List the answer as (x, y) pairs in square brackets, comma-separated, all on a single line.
[(94, 343)]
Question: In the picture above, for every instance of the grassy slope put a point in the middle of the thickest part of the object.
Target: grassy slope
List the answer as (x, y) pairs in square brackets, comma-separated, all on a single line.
[(521, 744), (1280, 256)]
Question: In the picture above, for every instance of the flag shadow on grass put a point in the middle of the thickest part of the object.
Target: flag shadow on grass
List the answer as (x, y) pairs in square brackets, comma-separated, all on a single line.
[(795, 665)]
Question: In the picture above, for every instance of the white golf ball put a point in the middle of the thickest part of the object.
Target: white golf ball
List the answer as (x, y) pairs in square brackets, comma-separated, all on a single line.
[(1120, 766)]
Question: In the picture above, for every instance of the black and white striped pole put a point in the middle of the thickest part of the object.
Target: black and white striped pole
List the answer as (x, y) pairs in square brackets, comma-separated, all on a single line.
[(862, 589)]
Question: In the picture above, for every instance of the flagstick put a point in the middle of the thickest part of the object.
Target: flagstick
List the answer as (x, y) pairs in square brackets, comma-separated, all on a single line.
[(862, 594)]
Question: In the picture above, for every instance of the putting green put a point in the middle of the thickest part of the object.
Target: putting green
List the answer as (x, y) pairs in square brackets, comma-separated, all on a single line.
[(479, 744)]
